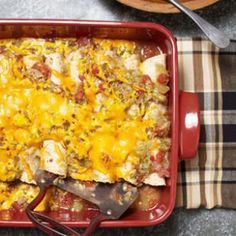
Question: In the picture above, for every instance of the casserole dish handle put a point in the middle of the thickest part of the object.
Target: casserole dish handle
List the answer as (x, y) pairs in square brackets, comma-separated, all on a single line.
[(189, 126)]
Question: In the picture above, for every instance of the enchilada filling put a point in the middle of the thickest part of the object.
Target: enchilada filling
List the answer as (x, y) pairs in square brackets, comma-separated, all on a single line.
[(90, 109)]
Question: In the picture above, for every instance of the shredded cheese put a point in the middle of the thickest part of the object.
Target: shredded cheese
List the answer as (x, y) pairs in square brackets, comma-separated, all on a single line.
[(83, 108)]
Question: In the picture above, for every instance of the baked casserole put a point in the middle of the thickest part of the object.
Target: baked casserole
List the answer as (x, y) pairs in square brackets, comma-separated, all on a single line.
[(90, 109)]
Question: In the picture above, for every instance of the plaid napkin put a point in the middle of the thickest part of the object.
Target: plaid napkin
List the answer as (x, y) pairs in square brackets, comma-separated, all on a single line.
[(209, 180)]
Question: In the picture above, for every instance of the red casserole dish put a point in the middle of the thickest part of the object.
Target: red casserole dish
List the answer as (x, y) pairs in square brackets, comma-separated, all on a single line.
[(183, 110)]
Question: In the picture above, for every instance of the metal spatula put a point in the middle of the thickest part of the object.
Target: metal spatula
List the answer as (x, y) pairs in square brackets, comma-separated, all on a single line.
[(112, 200)]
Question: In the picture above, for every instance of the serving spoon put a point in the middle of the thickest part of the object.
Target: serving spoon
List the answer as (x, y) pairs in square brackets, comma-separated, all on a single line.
[(216, 36)]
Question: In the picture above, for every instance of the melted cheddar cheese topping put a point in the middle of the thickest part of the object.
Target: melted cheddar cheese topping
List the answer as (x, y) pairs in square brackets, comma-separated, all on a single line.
[(80, 108)]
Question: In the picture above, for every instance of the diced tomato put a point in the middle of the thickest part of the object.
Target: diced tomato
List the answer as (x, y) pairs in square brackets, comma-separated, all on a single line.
[(95, 69), (42, 68), (149, 51), (159, 156), (83, 41), (163, 78), (146, 78), (79, 96), (152, 158), (158, 132), (101, 87), (82, 77)]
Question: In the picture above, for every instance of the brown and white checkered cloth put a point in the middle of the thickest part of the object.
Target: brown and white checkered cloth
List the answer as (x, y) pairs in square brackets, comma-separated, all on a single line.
[(209, 180)]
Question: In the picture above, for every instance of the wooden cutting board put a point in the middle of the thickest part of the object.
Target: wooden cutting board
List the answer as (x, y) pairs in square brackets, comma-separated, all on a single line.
[(161, 6)]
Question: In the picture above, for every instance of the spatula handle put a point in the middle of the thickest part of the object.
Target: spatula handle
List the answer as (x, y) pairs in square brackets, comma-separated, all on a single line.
[(94, 224), (36, 216), (53, 227), (45, 223), (215, 35)]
